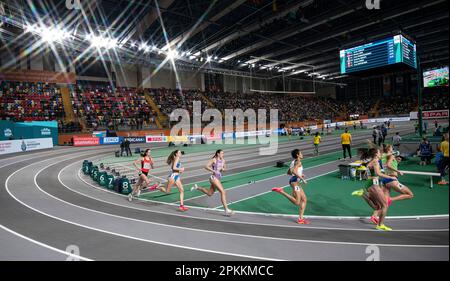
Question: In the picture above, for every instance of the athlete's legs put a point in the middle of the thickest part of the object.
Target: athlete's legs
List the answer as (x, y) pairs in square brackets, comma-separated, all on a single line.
[(378, 196), (405, 192), (302, 206), (223, 197), (166, 189), (206, 191), (295, 200), (181, 190), (137, 186)]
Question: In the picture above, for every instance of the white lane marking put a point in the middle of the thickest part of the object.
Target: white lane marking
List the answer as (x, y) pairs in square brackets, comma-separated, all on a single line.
[(48, 153), (43, 245), (257, 181), (110, 232), (134, 171), (269, 191), (255, 161), (199, 230), (228, 221)]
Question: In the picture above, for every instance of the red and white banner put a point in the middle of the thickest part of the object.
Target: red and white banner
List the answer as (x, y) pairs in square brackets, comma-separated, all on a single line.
[(214, 137), (435, 114), (150, 139), (85, 141)]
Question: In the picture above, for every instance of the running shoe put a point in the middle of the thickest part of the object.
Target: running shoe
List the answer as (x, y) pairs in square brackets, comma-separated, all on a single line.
[(229, 212), (194, 187), (138, 193), (130, 197), (443, 182), (389, 201), (277, 189), (183, 208), (383, 227), (374, 220), (153, 187), (303, 221), (359, 192)]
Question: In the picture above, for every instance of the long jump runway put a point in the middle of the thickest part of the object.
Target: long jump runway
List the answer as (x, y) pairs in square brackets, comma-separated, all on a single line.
[(48, 208)]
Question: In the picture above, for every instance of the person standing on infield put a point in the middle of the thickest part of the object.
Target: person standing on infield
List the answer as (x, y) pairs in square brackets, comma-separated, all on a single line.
[(346, 141)]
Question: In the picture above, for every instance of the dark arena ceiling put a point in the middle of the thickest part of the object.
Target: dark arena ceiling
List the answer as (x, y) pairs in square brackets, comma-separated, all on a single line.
[(230, 34)]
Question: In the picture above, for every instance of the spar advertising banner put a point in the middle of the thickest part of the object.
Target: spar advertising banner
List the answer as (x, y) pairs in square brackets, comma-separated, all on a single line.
[(13, 146), (150, 139), (85, 141), (111, 140), (435, 114), (135, 139)]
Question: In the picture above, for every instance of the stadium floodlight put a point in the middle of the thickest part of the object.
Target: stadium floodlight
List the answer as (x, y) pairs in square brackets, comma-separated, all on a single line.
[(48, 34), (172, 54), (143, 46), (30, 28), (101, 42)]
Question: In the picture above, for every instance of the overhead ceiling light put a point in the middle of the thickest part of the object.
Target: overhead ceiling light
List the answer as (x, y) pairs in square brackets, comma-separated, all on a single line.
[(48, 34), (208, 59), (101, 42), (143, 46), (172, 54)]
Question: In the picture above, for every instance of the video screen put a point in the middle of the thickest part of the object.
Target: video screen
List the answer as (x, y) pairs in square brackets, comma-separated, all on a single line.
[(436, 78)]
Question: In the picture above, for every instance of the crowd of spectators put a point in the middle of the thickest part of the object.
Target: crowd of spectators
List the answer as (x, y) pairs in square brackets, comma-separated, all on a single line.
[(169, 100), (104, 107), (290, 107), (24, 101), (114, 109), (433, 101)]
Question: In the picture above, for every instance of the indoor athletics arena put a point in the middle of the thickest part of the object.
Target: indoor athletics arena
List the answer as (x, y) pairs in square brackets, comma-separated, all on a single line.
[(231, 130)]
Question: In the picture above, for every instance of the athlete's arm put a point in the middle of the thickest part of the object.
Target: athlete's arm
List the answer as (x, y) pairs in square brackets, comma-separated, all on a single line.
[(135, 163), (224, 165), (151, 163), (379, 173), (294, 170), (174, 167), (208, 166), (389, 165)]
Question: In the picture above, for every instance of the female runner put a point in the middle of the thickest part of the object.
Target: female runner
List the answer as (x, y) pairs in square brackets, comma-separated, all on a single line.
[(216, 166), (298, 196)]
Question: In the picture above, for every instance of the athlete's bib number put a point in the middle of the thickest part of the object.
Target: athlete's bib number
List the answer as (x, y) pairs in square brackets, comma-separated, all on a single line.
[(375, 182)]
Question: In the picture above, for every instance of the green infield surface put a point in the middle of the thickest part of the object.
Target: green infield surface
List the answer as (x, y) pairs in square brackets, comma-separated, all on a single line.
[(328, 195)]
